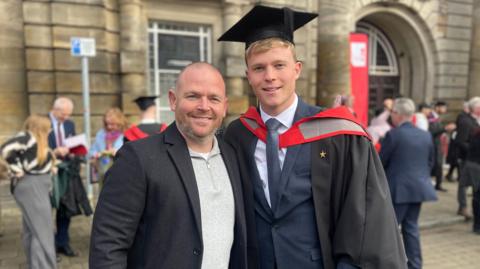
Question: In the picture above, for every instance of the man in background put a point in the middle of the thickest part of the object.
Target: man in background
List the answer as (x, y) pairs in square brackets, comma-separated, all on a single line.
[(466, 124), (437, 129), (62, 127), (407, 156)]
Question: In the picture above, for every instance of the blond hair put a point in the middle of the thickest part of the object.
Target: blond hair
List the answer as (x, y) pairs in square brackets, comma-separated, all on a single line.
[(39, 127), (117, 116), (267, 44)]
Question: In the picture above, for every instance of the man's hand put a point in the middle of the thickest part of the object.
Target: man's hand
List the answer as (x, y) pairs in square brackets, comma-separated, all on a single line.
[(61, 151), (450, 127)]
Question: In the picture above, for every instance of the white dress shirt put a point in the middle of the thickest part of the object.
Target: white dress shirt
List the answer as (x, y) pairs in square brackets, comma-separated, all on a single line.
[(286, 119)]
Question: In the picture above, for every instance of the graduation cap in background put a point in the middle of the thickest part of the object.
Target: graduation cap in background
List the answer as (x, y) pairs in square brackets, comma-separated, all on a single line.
[(267, 22), (144, 102)]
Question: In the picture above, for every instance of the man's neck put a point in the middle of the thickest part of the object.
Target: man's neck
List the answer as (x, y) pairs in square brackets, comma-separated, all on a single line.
[(201, 145)]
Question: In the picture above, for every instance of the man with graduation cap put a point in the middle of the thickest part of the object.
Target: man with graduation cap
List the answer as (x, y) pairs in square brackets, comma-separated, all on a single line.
[(148, 124), (316, 195)]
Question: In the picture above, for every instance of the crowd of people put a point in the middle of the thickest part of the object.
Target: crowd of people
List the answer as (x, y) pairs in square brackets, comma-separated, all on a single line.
[(286, 185)]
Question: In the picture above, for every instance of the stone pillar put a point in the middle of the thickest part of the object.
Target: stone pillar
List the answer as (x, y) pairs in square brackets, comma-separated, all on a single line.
[(133, 62), (334, 26), (233, 53), (474, 85), (13, 95)]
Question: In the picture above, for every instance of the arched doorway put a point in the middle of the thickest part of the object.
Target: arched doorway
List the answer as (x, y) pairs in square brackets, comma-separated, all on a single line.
[(404, 37), (383, 71)]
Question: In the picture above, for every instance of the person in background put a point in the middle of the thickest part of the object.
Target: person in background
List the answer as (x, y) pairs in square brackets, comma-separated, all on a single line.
[(148, 124), (437, 129), (31, 162), (305, 170), (452, 155), (174, 199), (470, 175), (62, 128), (407, 157), (108, 140), (380, 124), (466, 124), (421, 117)]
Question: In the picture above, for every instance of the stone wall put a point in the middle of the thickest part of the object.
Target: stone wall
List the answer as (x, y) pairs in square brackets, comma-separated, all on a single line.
[(52, 71), (445, 29), (474, 89), (13, 95)]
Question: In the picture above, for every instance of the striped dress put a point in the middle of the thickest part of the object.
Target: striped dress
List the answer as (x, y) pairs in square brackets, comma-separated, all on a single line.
[(20, 152)]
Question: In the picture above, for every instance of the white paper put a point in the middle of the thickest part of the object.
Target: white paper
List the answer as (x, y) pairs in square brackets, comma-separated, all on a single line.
[(75, 141)]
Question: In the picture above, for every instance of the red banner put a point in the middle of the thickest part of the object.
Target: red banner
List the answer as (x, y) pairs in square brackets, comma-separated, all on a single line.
[(359, 75)]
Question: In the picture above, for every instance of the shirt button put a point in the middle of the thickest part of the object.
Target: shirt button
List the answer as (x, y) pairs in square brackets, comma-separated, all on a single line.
[(196, 252)]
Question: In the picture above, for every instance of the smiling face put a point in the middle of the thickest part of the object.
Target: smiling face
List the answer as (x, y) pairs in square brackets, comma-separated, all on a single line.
[(199, 102), (272, 74)]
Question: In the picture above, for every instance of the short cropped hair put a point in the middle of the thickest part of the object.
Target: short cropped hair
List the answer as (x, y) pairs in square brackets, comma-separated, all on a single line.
[(404, 106), (264, 45), (474, 102)]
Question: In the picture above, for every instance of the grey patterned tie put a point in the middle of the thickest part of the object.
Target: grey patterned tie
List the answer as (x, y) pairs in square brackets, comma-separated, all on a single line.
[(273, 162)]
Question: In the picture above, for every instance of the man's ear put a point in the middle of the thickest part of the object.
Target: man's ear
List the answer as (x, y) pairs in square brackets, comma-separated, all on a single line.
[(226, 107), (298, 69), (172, 99)]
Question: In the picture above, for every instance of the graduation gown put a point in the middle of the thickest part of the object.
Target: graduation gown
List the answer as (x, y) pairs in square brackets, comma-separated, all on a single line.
[(354, 214), (143, 130)]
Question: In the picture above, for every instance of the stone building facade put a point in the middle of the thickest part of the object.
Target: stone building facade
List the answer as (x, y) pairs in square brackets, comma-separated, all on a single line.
[(424, 49)]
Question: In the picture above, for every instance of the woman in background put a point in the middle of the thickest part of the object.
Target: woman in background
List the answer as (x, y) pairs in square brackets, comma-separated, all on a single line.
[(30, 163), (108, 140)]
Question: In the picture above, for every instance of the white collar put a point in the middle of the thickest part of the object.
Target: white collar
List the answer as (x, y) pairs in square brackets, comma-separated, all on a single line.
[(148, 121), (53, 119), (285, 117)]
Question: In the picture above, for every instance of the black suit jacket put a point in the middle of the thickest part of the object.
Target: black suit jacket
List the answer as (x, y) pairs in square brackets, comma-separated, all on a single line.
[(465, 125), (148, 213)]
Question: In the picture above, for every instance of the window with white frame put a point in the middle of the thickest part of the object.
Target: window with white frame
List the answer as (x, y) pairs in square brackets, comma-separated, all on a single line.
[(172, 46), (381, 55)]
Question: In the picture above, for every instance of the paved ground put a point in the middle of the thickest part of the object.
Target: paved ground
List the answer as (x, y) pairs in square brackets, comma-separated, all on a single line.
[(447, 240)]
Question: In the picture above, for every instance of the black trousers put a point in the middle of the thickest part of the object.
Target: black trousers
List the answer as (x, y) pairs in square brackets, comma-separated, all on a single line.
[(476, 209)]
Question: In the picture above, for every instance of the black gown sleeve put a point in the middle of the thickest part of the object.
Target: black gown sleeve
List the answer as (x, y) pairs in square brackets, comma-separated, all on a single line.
[(351, 192)]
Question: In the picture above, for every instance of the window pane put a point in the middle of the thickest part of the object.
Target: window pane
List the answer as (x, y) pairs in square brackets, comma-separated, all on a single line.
[(167, 82), (176, 52), (381, 56)]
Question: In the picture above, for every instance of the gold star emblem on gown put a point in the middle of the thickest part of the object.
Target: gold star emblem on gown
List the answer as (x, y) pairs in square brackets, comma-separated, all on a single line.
[(323, 154)]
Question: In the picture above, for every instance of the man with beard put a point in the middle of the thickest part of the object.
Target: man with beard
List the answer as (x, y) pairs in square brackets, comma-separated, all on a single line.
[(315, 191), (174, 200)]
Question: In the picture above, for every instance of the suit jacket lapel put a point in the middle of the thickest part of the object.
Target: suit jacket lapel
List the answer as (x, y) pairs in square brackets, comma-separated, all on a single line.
[(303, 110), (178, 151)]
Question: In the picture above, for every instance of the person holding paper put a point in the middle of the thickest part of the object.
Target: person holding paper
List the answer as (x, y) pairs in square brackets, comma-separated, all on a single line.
[(62, 127)]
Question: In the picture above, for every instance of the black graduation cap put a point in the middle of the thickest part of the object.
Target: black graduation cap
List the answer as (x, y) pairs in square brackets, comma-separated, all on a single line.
[(266, 22), (144, 102)]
